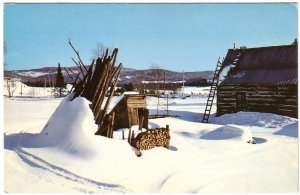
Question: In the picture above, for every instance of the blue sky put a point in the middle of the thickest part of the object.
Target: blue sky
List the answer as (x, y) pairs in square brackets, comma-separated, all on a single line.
[(178, 37)]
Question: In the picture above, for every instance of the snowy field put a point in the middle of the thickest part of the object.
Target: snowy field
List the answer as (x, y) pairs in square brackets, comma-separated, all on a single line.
[(49, 146)]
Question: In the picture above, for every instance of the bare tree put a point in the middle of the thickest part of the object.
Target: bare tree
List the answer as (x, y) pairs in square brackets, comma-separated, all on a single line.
[(99, 51), (11, 85)]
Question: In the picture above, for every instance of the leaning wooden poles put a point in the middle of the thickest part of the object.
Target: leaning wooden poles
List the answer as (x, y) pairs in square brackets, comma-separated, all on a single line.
[(97, 82)]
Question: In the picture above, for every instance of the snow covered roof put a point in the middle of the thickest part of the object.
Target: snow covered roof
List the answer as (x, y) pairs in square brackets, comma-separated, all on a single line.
[(264, 65)]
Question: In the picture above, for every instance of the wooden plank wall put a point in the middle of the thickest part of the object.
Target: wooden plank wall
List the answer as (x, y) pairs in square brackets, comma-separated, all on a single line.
[(278, 99), (126, 111)]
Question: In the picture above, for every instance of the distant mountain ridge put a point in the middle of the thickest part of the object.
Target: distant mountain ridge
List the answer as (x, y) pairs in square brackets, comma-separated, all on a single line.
[(127, 74)]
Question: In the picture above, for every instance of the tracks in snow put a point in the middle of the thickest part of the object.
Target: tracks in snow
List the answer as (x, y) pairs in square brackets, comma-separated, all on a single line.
[(37, 162)]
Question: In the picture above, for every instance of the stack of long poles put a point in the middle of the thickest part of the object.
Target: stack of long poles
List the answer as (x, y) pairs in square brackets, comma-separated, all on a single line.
[(95, 83)]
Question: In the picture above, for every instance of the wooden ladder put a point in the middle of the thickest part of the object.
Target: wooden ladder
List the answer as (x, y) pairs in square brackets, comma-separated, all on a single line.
[(212, 92)]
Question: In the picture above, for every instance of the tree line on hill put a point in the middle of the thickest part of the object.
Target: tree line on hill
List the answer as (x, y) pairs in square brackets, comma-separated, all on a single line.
[(59, 83)]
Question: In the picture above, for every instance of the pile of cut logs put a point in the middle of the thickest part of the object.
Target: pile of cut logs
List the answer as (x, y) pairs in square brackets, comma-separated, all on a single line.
[(95, 83), (159, 137)]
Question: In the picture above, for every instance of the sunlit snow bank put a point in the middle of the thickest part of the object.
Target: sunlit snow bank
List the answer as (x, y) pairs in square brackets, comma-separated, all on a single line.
[(232, 132), (254, 119), (71, 129)]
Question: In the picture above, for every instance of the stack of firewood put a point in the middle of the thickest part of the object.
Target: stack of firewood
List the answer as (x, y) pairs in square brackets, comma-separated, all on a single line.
[(95, 83), (159, 137)]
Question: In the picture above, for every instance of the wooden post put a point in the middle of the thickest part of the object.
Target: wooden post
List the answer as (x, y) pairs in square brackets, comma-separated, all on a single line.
[(123, 136), (112, 125), (102, 88), (146, 118), (132, 137), (168, 143), (129, 135), (141, 118), (111, 92)]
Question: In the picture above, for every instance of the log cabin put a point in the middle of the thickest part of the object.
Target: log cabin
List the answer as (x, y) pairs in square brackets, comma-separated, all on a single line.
[(263, 79)]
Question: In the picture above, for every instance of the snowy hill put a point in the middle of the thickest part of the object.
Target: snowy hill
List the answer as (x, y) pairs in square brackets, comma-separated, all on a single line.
[(19, 89), (127, 74), (52, 142)]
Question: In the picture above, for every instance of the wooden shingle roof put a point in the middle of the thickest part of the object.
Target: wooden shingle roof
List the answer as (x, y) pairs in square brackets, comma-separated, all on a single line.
[(264, 65)]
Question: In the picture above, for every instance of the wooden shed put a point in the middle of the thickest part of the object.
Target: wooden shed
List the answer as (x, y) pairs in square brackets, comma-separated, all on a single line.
[(263, 79), (129, 110)]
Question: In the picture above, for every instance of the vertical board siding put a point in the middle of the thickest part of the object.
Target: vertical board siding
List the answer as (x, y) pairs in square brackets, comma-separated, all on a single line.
[(126, 111)]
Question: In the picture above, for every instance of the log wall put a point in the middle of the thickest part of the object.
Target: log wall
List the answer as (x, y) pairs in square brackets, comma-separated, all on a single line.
[(277, 99)]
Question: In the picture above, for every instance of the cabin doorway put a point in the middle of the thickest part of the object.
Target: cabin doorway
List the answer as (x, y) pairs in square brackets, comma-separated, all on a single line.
[(241, 100)]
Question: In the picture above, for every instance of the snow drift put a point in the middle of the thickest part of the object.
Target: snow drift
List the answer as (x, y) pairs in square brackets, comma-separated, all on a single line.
[(258, 119), (232, 132), (65, 156), (71, 130)]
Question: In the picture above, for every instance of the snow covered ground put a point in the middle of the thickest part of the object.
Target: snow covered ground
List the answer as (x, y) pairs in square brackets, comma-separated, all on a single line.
[(49, 146)]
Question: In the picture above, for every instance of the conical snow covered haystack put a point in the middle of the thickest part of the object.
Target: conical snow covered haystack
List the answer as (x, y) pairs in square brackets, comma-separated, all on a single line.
[(70, 127)]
